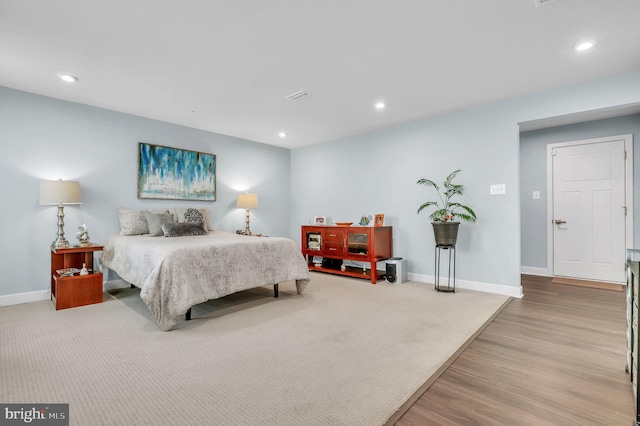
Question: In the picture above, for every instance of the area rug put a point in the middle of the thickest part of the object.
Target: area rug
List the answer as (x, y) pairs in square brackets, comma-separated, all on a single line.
[(345, 352)]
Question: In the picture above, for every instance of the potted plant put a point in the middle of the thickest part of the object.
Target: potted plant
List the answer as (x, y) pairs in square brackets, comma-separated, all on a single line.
[(445, 228)]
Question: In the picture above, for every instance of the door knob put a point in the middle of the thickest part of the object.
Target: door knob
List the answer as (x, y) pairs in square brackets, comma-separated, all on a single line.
[(559, 222)]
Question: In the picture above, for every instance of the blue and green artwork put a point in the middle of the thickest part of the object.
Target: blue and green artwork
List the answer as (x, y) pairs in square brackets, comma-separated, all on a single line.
[(176, 174)]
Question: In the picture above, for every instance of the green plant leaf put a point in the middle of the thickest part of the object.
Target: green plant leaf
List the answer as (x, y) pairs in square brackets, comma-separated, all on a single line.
[(449, 178), (446, 208), (438, 215), (470, 216), (427, 204), (428, 182)]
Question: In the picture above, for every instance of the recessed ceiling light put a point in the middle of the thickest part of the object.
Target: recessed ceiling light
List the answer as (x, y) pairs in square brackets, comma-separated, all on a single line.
[(282, 134), (585, 45), (380, 105), (68, 78)]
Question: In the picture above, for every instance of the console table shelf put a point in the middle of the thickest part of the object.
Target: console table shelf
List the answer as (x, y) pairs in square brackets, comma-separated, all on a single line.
[(356, 243), (350, 271)]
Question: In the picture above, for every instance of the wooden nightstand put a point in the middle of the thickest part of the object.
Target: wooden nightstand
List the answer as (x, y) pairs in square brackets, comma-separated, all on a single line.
[(76, 290)]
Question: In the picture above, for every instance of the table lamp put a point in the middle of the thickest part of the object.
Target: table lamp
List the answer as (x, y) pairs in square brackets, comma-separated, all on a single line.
[(60, 192), (247, 201)]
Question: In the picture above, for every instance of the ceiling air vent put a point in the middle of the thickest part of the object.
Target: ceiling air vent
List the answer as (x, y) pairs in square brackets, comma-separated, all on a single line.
[(298, 95), (540, 3)]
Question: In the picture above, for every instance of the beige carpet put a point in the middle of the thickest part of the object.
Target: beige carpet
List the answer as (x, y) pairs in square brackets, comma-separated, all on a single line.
[(343, 353)]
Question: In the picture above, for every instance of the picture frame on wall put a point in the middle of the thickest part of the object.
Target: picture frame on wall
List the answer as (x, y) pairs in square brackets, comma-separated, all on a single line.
[(167, 173), (378, 220), (319, 220)]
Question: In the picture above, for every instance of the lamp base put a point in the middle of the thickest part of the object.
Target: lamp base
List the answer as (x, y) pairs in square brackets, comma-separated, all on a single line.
[(60, 244), (247, 231), (61, 241)]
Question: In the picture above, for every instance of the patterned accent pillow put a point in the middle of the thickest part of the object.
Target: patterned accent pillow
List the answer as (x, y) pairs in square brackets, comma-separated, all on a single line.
[(183, 229), (133, 221), (193, 215), (155, 221)]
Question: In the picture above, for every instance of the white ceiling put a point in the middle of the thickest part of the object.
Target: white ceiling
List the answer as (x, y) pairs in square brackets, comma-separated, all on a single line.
[(226, 65)]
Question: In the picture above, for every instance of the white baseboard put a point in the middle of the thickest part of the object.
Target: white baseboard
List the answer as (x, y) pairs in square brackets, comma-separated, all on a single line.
[(530, 270), (473, 285), (20, 298), (36, 296)]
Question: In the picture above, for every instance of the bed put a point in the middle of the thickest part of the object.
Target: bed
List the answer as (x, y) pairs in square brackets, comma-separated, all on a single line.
[(175, 274)]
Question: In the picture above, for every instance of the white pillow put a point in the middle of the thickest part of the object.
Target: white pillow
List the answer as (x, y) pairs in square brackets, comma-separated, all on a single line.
[(133, 221), (155, 221), (193, 215)]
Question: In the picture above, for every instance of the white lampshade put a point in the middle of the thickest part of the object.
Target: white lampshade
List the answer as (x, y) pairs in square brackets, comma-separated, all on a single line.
[(247, 201), (55, 192)]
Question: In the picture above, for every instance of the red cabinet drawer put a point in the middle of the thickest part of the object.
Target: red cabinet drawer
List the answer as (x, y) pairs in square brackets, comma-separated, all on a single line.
[(78, 290), (334, 235), (333, 248)]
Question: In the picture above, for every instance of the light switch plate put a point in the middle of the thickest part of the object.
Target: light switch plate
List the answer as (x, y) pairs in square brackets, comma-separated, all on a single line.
[(498, 189), (536, 195)]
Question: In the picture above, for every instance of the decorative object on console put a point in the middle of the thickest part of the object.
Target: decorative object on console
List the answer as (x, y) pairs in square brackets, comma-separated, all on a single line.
[(379, 220), (364, 220), (175, 174), (319, 220), (83, 235), (68, 272), (344, 223), (247, 202), (446, 231), (60, 192), (314, 242)]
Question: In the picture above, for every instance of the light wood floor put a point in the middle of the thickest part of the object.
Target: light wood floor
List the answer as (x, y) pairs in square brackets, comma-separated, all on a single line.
[(555, 357)]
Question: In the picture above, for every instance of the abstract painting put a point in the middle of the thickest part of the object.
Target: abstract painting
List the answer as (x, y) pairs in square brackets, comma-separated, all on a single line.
[(175, 174)]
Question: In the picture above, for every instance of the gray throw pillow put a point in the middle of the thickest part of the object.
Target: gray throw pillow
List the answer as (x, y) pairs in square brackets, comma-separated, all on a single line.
[(155, 220), (133, 222), (183, 229)]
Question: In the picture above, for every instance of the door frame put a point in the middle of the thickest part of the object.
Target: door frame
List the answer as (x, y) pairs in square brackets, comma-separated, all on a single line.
[(628, 189)]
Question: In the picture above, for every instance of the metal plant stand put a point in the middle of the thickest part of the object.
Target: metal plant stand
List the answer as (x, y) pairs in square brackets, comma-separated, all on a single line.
[(452, 251)]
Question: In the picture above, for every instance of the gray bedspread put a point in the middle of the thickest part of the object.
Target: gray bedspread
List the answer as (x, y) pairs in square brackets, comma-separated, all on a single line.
[(176, 273)]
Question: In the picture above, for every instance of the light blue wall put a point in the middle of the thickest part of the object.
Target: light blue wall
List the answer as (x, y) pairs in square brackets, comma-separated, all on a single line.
[(376, 173), (533, 175), (44, 138)]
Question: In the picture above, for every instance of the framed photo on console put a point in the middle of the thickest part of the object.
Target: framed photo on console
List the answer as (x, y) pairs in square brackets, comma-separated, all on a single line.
[(378, 220), (319, 220)]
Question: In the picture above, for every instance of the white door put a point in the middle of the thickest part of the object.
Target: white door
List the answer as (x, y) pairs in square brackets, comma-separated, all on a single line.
[(589, 211)]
